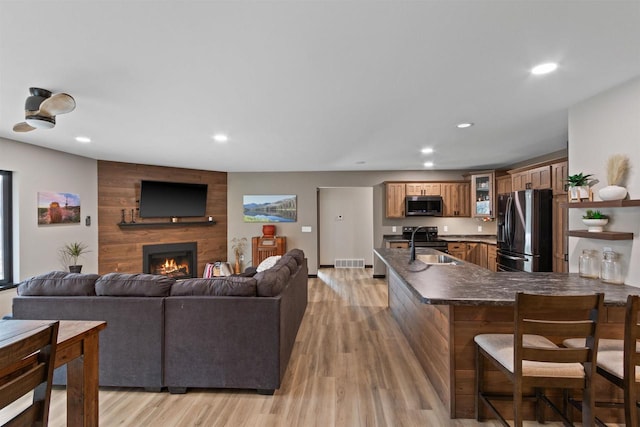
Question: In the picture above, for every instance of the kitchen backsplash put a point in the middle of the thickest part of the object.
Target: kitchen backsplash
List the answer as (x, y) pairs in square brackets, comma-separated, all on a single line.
[(453, 225)]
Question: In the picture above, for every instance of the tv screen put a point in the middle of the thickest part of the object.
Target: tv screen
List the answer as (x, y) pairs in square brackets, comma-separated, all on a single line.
[(166, 199)]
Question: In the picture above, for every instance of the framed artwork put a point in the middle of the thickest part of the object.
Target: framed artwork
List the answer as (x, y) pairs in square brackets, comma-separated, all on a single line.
[(58, 208), (269, 208)]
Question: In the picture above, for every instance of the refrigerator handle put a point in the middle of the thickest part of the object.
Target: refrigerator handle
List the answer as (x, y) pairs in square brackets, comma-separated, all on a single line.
[(507, 221)]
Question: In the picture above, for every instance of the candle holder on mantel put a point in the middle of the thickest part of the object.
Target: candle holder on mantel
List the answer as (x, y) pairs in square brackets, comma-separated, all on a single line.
[(133, 220), (122, 220)]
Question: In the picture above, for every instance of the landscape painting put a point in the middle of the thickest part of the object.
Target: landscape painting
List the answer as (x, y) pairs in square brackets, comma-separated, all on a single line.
[(269, 208), (58, 208)]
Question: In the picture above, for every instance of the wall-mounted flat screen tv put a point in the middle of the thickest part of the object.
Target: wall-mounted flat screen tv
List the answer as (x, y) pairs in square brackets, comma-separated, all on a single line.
[(160, 199)]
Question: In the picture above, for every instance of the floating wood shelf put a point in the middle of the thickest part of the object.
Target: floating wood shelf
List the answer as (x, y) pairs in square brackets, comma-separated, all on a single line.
[(601, 204), (602, 235), (165, 224)]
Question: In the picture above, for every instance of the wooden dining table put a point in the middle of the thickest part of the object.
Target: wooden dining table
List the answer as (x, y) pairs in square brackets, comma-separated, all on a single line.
[(77, 347)]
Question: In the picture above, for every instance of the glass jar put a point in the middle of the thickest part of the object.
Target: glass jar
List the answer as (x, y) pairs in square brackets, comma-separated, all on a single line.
[(610, 268), (589, 264)]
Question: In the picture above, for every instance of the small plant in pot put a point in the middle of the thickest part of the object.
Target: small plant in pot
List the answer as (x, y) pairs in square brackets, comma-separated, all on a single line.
[(71, 252), (579, 186), (595, 220)]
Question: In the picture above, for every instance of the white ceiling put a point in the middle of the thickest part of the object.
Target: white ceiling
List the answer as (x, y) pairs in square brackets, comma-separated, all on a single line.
[(312, 85)]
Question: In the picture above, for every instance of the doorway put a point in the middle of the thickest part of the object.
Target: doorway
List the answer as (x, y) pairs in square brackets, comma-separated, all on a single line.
[(345, 226)]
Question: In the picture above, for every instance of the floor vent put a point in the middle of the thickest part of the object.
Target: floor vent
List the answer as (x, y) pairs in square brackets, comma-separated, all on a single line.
[(349, 263)]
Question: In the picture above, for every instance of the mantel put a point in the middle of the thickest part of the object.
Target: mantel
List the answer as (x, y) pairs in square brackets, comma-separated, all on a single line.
[(165, 224)]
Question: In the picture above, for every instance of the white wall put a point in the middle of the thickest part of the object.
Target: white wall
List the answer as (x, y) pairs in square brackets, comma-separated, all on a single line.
[(346, 224), (607, 124), (40, 169)]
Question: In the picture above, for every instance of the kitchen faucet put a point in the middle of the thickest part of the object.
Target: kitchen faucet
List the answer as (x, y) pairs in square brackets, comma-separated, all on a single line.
[(412, 256)]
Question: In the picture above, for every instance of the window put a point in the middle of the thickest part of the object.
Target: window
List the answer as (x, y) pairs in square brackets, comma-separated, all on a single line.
[(6, 250)]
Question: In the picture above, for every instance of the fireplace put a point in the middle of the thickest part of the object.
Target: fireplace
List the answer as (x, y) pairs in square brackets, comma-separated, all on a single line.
[(177, 260)]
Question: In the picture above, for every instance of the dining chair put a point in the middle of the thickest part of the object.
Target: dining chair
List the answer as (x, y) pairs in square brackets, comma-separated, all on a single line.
[(619, 360), (533, 361), (26, 365)]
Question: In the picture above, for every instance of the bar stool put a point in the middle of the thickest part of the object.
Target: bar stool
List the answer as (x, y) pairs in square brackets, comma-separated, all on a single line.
[(618, 360), (531, 360)]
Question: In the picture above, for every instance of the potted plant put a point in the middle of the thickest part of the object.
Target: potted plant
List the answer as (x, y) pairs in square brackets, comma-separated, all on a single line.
[(70, 253), (595, 220), (579, 186), (238, 245)]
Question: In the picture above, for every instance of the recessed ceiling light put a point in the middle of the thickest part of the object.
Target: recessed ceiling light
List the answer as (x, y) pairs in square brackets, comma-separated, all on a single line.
[(544, 68), (464, 125), (427, 150), (428, 164), (83, 139), (220, 137)]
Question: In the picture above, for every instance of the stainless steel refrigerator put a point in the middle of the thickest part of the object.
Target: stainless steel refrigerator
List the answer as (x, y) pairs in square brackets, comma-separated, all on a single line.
[(524, 231)]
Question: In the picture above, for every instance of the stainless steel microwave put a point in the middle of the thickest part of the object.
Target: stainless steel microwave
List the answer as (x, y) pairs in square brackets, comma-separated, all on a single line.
[(423, 206)]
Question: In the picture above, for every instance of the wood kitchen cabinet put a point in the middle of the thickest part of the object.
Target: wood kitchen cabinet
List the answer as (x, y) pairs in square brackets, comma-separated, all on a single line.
[(398, 245), (458, 250), (492, 257), (456, 199), (503, 184), (533, 178), (559, 174), (423, 189), (395, 194)]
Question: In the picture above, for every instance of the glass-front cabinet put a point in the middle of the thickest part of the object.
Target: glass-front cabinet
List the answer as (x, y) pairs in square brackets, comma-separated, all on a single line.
[(483, 194)]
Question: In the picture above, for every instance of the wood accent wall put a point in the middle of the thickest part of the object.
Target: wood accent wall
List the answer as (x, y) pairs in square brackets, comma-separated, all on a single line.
[(119, 188)]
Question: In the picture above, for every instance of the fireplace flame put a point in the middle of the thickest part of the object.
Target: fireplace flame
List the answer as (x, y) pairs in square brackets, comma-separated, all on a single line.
[(170, 267)]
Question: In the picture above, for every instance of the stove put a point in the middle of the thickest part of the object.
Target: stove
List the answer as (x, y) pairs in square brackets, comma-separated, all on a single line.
[(426, 237)]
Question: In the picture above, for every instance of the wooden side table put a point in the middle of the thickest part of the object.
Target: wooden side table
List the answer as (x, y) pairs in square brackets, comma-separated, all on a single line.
[(264, 247)]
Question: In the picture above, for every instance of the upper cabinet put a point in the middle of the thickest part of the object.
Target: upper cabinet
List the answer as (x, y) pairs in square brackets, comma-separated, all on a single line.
[(483, 194), (534, 178), (559, 174), (503, 184), (455, 199), (395, 194), (423, 189)]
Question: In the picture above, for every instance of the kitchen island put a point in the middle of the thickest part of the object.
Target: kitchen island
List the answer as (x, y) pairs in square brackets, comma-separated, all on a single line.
[(441, 308)]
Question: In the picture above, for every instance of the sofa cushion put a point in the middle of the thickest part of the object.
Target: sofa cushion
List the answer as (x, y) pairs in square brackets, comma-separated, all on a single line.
[(272, 281), (221, 286), (134, 285), (297, 254), (59, 283), (288, 262), (267, 263)]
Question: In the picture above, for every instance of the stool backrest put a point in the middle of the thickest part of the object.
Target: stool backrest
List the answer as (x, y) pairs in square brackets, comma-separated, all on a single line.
[(631, 356)]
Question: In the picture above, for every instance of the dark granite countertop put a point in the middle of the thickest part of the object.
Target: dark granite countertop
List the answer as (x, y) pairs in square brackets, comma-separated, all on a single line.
[(469, 284)]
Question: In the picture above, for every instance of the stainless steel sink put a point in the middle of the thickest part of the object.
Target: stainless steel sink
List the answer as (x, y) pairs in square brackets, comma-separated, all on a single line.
[(437, 259)]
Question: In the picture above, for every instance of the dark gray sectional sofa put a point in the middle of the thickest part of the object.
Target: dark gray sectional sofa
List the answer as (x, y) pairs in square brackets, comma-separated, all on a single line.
[(234, 332)]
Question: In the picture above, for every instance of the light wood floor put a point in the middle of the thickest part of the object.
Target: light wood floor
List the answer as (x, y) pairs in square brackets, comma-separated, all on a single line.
[(350, 366)]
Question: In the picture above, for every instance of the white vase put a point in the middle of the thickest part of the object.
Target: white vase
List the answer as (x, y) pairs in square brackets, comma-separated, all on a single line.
[(612, 192), (595, 225)]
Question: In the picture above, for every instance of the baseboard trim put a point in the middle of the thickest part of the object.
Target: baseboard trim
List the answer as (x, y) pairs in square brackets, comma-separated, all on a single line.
[(379, 276), (333, 266), (313, 276)]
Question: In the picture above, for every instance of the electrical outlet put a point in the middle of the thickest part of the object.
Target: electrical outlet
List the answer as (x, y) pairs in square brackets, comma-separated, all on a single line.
[(393, 229), (445, 228), (479, 229)]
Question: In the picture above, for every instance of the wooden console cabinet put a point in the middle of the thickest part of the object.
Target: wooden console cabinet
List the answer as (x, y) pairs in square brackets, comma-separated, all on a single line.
[(264, 247)]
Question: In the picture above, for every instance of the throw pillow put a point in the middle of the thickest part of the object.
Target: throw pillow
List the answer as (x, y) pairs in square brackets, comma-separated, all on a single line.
[(268, 263)]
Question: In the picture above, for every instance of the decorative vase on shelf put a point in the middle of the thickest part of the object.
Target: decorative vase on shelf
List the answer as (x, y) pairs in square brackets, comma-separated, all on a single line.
[(595, 225), (612, 192)]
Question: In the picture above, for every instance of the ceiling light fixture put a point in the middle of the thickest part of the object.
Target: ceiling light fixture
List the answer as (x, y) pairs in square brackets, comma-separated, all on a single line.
[(464, 125), (544, 68), (428, 164), (83, 139), (427, 150), (220, 137)]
